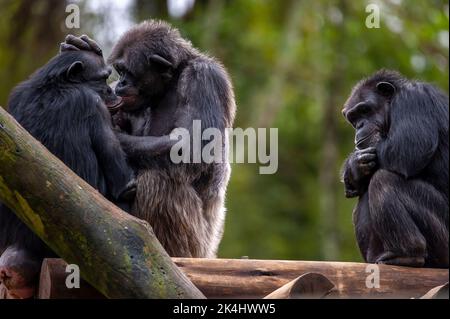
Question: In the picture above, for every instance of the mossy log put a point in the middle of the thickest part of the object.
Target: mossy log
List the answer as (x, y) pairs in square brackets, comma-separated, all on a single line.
[(117, 254)]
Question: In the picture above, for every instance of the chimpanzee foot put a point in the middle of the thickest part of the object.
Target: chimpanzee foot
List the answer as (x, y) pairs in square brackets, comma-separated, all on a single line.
[(18, 273), (390, 258)]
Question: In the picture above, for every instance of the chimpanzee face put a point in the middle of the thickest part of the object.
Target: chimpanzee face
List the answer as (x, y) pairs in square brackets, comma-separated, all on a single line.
[(91, 70), (366, 110), (141, 81)]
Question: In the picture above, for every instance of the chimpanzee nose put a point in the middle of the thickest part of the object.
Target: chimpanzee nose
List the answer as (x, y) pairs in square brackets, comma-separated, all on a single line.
[(109, 90), (360, 125)]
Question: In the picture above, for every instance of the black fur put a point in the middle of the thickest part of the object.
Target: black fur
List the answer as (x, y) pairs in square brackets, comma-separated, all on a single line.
[(400, 170)]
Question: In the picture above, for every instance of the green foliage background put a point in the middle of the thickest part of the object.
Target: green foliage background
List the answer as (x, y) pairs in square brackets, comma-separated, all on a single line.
[(293, 63)]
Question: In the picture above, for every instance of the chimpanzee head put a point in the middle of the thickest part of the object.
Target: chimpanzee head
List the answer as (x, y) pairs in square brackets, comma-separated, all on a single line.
[(89, 70), (148, 57), (367, 108)]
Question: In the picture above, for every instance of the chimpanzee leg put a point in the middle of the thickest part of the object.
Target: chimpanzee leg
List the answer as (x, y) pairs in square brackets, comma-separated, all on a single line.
[(368, 243), (430, 211), (21, 254), (406, 221)]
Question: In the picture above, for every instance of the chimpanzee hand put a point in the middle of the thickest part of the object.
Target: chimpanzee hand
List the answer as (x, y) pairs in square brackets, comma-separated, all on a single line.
[(129, 193), (358, 170), (365, 161), (83, 43)]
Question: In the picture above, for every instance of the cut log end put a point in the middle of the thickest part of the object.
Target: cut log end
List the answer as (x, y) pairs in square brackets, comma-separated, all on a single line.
[(439, 292), (309, 285)]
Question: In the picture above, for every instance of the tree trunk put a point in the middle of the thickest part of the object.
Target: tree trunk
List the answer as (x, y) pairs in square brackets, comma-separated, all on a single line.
[(117, 253)]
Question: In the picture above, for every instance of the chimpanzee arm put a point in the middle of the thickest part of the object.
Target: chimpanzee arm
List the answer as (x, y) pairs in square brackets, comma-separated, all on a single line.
[(137, 146), (205, 94), (111, 157), (352, 185), (413, 137)]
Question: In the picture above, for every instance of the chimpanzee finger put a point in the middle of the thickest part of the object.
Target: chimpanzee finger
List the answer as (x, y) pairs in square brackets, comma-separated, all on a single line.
[(366, 158), (92, 44), (77, 42), (370, 150), (367, 168), (67, 47)]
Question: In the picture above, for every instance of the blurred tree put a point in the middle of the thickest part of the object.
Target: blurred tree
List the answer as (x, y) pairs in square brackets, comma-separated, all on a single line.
[(28, 37)]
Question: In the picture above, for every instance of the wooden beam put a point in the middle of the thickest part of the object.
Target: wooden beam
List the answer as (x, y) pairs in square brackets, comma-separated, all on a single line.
[(247, 278), (116, 252)]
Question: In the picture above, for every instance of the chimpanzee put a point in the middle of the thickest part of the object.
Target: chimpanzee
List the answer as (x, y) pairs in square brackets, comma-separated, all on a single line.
[(63, 105), (399, 170), (166, 84)]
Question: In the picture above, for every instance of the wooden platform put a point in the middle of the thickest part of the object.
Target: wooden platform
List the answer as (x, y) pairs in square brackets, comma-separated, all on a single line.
[(246, 278)]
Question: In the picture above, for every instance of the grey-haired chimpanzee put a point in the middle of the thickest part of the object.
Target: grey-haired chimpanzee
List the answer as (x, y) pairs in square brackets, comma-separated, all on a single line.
[(399, 170), (63, 105), (167, 84)]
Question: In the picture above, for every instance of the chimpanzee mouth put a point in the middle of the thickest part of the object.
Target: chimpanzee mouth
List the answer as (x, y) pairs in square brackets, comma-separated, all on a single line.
[(360, 140), (129, 103), (115, 106)]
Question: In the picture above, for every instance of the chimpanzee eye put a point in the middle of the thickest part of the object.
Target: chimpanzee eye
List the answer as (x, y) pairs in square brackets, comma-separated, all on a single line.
[(118, 69), (101, 79), (364, 108)]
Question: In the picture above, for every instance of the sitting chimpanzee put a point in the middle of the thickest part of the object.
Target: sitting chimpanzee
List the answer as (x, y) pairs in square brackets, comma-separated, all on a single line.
[(63, 105), (399, 170)]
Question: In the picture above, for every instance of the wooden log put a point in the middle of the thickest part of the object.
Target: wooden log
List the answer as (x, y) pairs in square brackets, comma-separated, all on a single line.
[(308, 286), (234, 278), (116, 252), (247, 278)]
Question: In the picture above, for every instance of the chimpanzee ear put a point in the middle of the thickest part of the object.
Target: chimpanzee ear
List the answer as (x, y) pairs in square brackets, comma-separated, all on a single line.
[(74, 69), (386, 88), (160, 61)]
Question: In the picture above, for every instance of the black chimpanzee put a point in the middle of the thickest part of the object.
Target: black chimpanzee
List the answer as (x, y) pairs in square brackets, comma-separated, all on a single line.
[(63, 105), (399, 170)]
